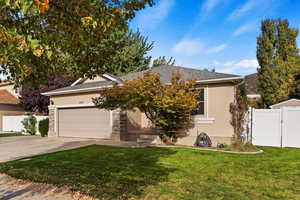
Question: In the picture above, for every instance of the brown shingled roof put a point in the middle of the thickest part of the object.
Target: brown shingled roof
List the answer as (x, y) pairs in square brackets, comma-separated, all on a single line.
[(7, 97)]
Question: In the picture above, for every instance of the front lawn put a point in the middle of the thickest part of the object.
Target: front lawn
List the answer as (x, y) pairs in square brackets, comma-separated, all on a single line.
[(11, 134), (166, 173)]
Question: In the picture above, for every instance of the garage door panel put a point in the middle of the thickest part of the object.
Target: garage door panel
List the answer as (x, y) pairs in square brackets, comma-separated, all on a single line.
[(84, 122)]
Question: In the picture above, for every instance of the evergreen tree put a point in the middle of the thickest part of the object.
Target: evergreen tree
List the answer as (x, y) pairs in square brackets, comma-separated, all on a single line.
[(162, 60), (132, 57), (277, 54)]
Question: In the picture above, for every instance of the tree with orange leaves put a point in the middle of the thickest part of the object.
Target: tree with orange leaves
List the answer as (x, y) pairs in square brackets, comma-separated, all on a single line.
[(167, 106), (77, 37)]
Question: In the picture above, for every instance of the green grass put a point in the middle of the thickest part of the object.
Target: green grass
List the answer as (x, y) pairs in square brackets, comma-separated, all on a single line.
[(11, 134), (166, 173)]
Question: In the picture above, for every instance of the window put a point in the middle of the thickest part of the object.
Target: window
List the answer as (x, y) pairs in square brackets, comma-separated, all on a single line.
[(201, 106)]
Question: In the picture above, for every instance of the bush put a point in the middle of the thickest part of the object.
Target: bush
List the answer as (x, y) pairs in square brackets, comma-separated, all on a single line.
[(222, 146), (44, 127), (29, 124), (242, 147)]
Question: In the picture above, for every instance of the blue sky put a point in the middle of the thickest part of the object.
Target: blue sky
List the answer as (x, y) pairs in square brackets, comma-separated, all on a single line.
[(218, 34)]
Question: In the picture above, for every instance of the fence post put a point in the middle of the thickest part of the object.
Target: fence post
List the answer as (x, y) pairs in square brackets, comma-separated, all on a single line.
[(281, 126), (251, 122)]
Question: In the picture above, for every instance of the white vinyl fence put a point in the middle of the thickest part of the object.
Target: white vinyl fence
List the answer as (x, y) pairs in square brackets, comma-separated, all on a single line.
[(14, 123), (276, 127)]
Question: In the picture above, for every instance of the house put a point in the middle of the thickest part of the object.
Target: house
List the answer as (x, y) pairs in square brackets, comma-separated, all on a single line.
[(72, 113), (287, 103), (9, 101), (251, 89)]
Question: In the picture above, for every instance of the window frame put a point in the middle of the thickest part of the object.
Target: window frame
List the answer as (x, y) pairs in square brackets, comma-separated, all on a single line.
[(205, 99)]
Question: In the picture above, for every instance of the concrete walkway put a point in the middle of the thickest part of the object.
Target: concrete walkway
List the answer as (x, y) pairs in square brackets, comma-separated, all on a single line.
[(11, 188), (12, 148)]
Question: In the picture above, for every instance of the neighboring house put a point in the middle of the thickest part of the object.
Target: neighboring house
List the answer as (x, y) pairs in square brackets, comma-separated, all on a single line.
[(72, 113), (251, 87), (288, 103), (9, 101)]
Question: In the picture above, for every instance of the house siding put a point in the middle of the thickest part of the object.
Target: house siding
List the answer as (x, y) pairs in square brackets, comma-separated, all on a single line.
[(217, 124)]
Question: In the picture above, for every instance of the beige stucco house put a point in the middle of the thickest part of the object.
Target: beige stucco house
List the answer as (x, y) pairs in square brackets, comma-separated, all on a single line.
[(72, 113), (9, 101)]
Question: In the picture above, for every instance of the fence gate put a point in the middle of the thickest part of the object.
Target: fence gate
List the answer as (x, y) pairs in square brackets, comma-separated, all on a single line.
[(276, 127), (291, 127), (266, 127)]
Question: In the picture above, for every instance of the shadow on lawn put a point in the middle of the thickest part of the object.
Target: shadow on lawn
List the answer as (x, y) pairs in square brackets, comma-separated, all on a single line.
[(98, 171)]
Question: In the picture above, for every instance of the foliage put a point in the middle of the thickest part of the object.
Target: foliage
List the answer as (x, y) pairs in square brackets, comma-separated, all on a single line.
[(277, 54), (242, 147), (167, 106), (29, 124), (132, 57), (222, 146), (162, 60), (41, 37), (155, 173), (238, 110), (44, 127), (33, 101)]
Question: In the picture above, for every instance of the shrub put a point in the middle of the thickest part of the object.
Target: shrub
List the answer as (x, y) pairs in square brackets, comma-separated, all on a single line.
[(222, 146), (44, 127), (29, 124), (242, 147)]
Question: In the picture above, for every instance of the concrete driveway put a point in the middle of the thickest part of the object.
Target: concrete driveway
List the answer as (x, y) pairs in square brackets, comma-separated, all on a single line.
[(12, 148)]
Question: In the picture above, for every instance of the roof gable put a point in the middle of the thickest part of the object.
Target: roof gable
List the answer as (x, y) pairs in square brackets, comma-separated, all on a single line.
[(288, 103), (7, 98), (98, 78)]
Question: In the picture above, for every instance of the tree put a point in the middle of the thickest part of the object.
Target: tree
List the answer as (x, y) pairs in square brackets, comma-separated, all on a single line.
[(162, 60), (42, 37), (132, 57), (277, 54), (238, 110), (33, 101), (167, 106)]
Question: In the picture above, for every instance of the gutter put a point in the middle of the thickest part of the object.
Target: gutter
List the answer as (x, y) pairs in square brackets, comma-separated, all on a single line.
[(220, 80), (77, 90)]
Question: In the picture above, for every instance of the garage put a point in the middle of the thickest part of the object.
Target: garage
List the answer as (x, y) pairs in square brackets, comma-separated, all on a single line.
[(86, 122)]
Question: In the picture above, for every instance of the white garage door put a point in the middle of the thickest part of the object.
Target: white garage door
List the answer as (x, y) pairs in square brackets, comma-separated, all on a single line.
[(84, 122)]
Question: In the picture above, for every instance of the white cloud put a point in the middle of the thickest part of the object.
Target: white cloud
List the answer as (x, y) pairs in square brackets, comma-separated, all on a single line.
[(243, 29), (229, 64), (247, 63), (236, 66), (217, 49), (248, 6), (190, 47), (208, 5), (215, 62), (151, 17)]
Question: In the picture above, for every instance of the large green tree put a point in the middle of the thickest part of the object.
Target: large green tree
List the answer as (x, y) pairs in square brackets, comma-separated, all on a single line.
[(162, 60), (79, 37), (277, 54), (132, 57)]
